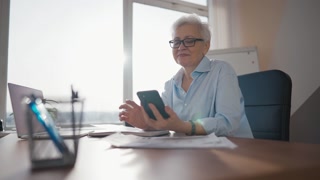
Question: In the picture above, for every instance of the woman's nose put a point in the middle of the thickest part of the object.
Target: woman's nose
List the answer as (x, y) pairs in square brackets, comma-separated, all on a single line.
[(181, 46)]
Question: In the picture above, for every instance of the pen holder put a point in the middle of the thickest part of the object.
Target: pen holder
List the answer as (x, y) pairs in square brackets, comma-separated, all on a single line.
[(49, 149)]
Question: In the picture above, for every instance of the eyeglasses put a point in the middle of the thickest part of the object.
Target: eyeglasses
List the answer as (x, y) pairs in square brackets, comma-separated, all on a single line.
[(188, 42)]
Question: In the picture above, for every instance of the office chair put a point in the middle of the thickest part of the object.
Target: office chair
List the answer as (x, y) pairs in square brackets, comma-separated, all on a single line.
[(267, 99)]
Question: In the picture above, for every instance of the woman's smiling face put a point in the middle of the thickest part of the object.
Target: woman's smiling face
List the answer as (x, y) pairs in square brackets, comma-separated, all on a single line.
[(189, 56)]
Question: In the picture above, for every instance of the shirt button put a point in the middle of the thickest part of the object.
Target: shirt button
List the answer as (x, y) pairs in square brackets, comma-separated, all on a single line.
[(185, 104)]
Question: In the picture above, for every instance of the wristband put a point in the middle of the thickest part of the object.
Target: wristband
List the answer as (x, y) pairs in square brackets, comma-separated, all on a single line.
[(193, 128)]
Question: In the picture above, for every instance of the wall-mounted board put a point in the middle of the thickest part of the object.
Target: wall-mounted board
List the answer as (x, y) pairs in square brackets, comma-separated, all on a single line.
[(243, 60)]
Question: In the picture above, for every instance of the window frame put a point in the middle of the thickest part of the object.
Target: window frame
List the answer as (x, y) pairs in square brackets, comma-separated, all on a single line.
[(4, 43)]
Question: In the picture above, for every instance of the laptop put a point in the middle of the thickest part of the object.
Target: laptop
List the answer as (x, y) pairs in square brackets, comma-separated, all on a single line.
[(17, 93)]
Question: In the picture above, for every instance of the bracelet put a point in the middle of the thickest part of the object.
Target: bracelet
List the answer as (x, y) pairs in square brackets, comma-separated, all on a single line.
[(193, 128)]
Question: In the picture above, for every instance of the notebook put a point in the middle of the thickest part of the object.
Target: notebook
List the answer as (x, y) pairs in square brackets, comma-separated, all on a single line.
[(17, 93)]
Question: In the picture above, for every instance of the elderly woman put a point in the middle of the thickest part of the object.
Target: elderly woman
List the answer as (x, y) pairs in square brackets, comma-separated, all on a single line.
[(203, 97)]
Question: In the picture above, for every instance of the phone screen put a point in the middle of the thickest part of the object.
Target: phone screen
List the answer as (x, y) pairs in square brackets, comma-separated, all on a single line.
[(153, 97)]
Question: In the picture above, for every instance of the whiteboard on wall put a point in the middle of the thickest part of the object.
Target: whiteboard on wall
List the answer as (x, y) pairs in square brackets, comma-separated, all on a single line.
[(243, 60)]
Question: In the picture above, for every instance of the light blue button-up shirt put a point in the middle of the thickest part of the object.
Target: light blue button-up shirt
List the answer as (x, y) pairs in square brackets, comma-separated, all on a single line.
[(214, 99)]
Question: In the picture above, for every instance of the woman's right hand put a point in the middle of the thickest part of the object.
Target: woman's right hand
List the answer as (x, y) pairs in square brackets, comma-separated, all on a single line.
[(132, 114)]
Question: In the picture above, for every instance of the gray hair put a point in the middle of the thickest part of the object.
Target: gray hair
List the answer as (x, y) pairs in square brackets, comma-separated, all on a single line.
[(193, 19)]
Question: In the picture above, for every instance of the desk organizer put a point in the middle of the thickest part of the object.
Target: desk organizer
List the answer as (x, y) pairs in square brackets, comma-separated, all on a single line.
[(54, 150)]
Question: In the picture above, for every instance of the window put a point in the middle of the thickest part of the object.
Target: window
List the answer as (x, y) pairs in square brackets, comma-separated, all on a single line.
[(54, 44)]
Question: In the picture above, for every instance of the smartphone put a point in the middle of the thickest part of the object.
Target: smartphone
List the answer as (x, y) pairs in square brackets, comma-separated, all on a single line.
[(45, 119), (153, 97)]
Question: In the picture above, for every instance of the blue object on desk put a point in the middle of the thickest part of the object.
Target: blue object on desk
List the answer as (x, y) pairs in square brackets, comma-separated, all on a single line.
[(46, 121)]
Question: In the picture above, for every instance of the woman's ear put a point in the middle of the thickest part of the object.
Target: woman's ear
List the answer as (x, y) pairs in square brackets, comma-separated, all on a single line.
[(206, 47)]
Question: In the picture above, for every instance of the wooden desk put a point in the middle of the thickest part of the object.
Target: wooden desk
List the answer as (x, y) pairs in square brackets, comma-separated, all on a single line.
[(253, 159)]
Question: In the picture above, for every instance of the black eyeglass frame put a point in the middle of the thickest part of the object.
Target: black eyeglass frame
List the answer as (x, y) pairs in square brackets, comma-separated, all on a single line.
[(172, 42)]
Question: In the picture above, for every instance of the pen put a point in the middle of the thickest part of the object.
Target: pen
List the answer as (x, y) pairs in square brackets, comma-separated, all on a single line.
[(44, 118)]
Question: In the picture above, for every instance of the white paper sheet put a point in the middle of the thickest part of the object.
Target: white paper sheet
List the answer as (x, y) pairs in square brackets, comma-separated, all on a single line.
[(169, 142), (108, 129)]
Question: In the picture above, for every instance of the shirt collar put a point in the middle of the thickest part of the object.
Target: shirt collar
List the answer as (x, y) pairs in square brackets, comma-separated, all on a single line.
[(204, 66)]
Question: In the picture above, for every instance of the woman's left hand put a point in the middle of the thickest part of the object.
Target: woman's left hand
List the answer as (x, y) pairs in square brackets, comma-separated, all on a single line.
[(173, 123)]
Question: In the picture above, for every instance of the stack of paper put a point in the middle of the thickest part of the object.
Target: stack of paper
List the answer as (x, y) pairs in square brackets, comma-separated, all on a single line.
[(108, 129), (132, 141)]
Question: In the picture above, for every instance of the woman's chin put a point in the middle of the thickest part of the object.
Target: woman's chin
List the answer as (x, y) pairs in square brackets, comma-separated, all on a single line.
[(183, 60)]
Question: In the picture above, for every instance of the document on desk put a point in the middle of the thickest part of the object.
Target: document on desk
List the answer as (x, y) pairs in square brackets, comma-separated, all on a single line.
[(168, 142), (108, 129)]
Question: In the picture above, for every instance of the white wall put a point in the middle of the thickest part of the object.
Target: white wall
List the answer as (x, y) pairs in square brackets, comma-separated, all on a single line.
[(286, 33)]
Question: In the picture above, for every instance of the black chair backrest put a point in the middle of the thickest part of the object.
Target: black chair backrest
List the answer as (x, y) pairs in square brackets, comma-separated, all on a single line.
[(267, 97)]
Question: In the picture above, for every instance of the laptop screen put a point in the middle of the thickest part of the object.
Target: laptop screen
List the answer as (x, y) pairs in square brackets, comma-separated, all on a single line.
[(17, 93)]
